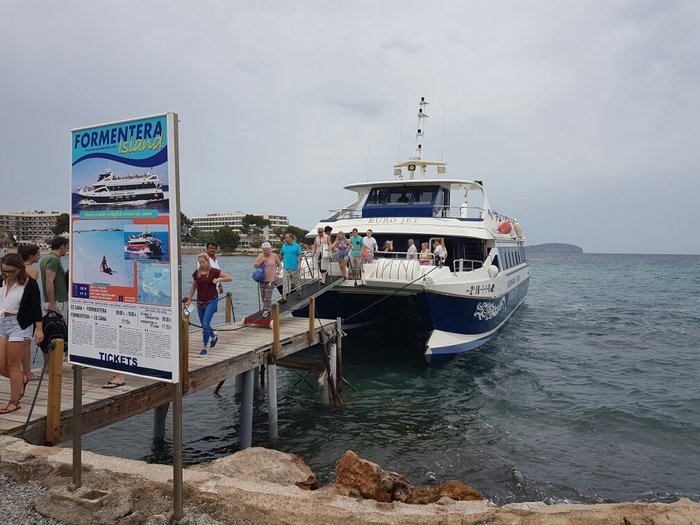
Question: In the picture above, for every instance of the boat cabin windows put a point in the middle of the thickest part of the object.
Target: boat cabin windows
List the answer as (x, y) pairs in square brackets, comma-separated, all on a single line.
[(405, 201), (377, 197), (511, 256)]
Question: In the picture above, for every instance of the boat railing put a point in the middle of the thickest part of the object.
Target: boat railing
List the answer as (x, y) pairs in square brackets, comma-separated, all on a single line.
[(442, 211), (466, 265), (346, 213)]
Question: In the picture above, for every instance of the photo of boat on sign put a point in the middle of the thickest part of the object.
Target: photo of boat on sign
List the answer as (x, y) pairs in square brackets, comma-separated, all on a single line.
[(147, 244), (120, 186)]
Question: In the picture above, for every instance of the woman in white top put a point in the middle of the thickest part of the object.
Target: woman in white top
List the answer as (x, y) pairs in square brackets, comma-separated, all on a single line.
[(440, 252), (20, 314)]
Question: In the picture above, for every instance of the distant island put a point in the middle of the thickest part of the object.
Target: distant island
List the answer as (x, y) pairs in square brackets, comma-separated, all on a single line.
[(553, 247)]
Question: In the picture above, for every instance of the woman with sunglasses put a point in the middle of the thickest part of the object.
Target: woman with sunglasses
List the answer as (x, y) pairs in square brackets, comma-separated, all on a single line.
[(20, 314)]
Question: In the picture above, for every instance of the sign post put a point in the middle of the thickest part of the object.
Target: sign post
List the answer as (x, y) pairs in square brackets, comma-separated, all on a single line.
[(125, 283)]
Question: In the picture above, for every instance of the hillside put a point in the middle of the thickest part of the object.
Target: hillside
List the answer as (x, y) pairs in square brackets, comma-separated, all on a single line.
[(553, 247)]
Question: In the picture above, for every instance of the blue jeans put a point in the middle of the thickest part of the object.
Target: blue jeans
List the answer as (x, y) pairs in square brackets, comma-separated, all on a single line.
[(206, 313)]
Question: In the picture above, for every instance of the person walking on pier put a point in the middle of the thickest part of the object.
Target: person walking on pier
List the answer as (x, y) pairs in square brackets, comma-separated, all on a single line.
[(291, 259), (53, 277), (316, 250), (355, 254), (272, 266), (20, 314), (341, 249), (204, 281), (30, 254)]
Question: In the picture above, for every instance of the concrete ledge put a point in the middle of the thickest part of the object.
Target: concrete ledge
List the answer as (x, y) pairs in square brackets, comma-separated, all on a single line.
[(117, 490)]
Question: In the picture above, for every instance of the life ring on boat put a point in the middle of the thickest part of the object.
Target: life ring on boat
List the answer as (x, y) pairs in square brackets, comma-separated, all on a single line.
[(505, 227), (518, 230)]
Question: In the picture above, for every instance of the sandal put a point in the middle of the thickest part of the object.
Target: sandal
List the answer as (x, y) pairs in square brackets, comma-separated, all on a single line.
[(8, 410), (24, 387)]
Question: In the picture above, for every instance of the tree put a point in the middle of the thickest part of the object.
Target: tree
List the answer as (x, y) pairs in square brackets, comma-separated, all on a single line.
[(253, 225), (226, 238), (298, 233), (62, 224), (184, 219)]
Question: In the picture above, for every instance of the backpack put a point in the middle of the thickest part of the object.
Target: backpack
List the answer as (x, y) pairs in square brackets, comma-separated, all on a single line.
[(54, 326)]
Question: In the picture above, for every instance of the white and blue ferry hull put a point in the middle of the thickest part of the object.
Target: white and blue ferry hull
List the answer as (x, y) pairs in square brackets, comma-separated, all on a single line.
[(461, 324)]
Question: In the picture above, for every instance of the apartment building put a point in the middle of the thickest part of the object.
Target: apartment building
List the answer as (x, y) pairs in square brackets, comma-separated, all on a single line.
[(213, 221), (28, 226)]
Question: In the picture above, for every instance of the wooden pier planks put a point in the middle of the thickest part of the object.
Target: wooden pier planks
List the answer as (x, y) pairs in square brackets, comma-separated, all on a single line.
[(239, 349)]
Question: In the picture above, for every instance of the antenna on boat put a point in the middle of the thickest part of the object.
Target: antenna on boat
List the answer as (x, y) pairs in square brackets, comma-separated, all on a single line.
[(398, 153), (442, 147), (422, 115)]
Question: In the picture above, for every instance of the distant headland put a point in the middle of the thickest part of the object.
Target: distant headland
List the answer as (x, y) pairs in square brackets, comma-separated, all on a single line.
[(554, 247)]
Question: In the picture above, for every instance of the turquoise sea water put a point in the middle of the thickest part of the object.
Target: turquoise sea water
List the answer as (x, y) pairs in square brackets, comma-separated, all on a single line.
[(589, 393)]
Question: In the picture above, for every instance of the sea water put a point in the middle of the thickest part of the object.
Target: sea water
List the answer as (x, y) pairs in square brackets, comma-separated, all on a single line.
[(588, 394)]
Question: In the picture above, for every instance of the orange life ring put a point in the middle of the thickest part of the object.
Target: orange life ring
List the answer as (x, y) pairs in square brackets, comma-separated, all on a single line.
[(505, 227)]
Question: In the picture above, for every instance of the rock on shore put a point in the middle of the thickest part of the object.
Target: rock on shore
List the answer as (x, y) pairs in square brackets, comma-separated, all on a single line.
[(259, 486)]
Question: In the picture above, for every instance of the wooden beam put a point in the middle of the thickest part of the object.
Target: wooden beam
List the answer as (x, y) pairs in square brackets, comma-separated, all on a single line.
[(185, 351), (229, 307), (312, 321), (276, 346), (53, 412)]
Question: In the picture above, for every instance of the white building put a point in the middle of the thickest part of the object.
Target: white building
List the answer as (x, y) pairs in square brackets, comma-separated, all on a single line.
[(213, 221), (28, 226)]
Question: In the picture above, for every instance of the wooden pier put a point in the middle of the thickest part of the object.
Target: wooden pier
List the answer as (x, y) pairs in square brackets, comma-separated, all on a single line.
[(240, 351)]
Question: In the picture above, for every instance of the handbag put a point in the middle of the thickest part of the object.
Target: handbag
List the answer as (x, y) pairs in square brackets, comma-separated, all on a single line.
[(259, 274)]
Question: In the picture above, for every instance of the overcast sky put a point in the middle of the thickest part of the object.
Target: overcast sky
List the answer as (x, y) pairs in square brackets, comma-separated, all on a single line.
[(582, 118)]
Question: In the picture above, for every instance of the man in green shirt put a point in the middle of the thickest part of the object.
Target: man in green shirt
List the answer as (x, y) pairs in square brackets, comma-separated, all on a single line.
[(53, 277)]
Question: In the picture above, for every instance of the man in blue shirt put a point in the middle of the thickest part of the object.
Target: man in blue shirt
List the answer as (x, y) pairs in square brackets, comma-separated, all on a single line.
[(291, 254), (355, 258)]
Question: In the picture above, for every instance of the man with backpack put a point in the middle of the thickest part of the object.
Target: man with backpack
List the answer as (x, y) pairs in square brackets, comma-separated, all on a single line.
[(53, 277)]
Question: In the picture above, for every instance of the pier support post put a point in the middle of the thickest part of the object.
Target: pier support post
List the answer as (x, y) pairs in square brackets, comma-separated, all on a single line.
[(334, 363), (312, 320), (54, 433), (246, 437), (159, 415), (185, 352), (272, 400), (339, 352), (238, 384), (256, 377), (229, 308)]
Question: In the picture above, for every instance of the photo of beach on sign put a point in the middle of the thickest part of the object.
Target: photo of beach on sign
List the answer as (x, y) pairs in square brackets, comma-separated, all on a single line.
[(98, 253)]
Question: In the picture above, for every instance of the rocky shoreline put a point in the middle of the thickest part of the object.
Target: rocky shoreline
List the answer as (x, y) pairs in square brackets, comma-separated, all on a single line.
[(260, 486)]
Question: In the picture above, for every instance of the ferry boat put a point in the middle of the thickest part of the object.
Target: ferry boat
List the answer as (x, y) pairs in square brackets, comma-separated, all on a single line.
[(145, 244), (112, 189), (461, 301)]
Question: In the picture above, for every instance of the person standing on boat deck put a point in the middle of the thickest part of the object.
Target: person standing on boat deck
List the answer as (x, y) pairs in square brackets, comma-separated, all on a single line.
[(20, 314), (272, 266), (30, 254), (204, 281), (341, 247), (291, 259), (425, 254), (371, 244), (440, 252), (412, 251), (316, 250), (326, 252), (355, 254)]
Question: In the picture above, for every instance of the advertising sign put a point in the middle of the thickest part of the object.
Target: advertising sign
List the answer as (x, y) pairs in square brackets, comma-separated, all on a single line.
[(124, 248)]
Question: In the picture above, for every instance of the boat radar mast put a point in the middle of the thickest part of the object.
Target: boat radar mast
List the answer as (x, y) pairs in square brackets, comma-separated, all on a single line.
[(417, 162)]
